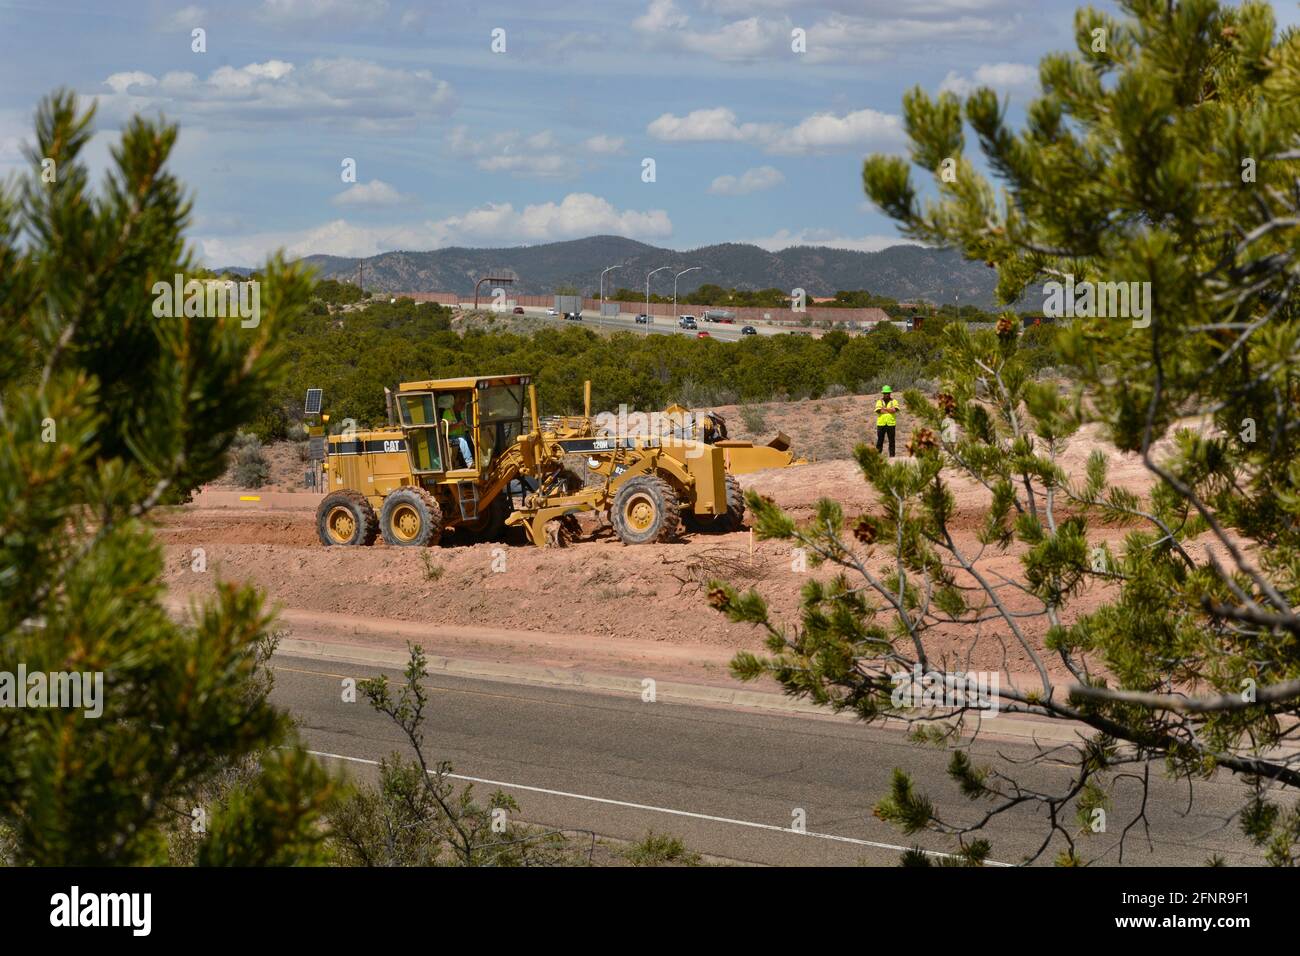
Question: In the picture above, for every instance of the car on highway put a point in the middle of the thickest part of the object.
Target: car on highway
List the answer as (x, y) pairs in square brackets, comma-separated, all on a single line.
[(573, 316), (749, 330), (702, 334), (519, 310), (552, 312), (643, 319), (686, 321)]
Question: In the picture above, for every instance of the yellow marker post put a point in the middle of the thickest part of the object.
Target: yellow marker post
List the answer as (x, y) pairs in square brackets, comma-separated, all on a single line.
[(250, 497)]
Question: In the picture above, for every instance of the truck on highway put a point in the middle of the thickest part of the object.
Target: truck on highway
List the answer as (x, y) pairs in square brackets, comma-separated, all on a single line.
[(569, 306)]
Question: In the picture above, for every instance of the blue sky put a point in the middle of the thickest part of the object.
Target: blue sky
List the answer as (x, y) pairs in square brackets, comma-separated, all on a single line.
[(456, 144)]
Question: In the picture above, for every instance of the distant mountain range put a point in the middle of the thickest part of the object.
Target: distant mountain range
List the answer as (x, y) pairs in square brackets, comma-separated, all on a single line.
[(903, 272)]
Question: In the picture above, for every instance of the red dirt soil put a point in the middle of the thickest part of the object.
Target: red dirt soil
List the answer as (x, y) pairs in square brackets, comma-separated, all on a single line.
[(598, 591)]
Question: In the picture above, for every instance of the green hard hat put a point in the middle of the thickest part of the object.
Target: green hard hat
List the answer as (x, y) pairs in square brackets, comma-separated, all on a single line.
[(886, 389)]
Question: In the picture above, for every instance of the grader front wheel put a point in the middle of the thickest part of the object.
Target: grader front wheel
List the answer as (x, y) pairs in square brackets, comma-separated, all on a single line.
[(410, 517), (646, 509)]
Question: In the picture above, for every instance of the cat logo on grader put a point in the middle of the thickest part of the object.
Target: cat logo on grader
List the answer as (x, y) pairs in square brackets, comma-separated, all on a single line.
[(464, 454)]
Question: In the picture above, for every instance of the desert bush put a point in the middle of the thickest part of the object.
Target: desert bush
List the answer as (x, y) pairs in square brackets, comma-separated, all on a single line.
[(660, 849), (754, 418), (251, 468)]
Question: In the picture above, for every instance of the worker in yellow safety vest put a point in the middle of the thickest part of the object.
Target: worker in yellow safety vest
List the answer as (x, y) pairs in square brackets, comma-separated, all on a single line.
[(886, 423), (457, 430)]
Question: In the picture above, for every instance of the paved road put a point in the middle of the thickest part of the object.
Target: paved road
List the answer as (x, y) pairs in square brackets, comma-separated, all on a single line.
[(728, 781), (663, 325)]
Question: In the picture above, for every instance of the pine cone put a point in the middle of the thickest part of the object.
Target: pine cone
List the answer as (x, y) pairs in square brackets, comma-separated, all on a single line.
[(1006, 328), (718, 598), (865, 530), (947, 403), (922, 440)]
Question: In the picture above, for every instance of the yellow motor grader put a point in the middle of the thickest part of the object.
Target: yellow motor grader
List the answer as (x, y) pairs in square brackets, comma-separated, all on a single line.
[(471, 455)]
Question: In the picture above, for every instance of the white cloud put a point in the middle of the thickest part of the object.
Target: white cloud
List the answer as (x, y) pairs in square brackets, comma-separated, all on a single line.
[(661, 15), (537, 155), (849, 38), (711, 125), (540, 155), (817, 133), (525, 164), (1003, 77), (302, 11), (845, 30), (784, 239), (575, 44), (121, 82), (750, 181), (828, 131), (575, 216), (374, 193), (187, 18), (364, 94), (741, 40), (604, 144)]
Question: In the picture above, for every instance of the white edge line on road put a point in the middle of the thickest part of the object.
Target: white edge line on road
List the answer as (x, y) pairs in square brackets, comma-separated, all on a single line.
[(668, 810)]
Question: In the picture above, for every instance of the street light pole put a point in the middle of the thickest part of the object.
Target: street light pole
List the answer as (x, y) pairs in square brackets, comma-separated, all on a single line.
[(675, 278), (647, 294), (602, 289)]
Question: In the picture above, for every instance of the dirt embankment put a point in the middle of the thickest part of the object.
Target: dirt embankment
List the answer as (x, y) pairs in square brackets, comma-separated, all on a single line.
[(597, 591)]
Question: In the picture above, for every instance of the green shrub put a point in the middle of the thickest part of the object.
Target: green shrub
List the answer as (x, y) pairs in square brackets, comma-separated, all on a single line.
[(252, 469), (659, 849), (754, 419)]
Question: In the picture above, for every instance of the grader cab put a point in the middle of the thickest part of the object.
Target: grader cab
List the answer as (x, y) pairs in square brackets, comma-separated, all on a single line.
[(471, 455)]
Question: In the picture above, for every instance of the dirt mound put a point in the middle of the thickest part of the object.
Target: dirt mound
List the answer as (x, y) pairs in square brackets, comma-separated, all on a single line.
[(599, 589)]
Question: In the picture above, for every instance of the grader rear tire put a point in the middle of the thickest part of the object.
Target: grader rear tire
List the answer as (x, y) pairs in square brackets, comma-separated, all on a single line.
[(491, 522), (410, 518), (733, 519), (646, 509), (346, 518)]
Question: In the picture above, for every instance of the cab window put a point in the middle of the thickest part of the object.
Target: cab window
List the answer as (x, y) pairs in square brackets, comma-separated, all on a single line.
[(417, 409), (425, 455)]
